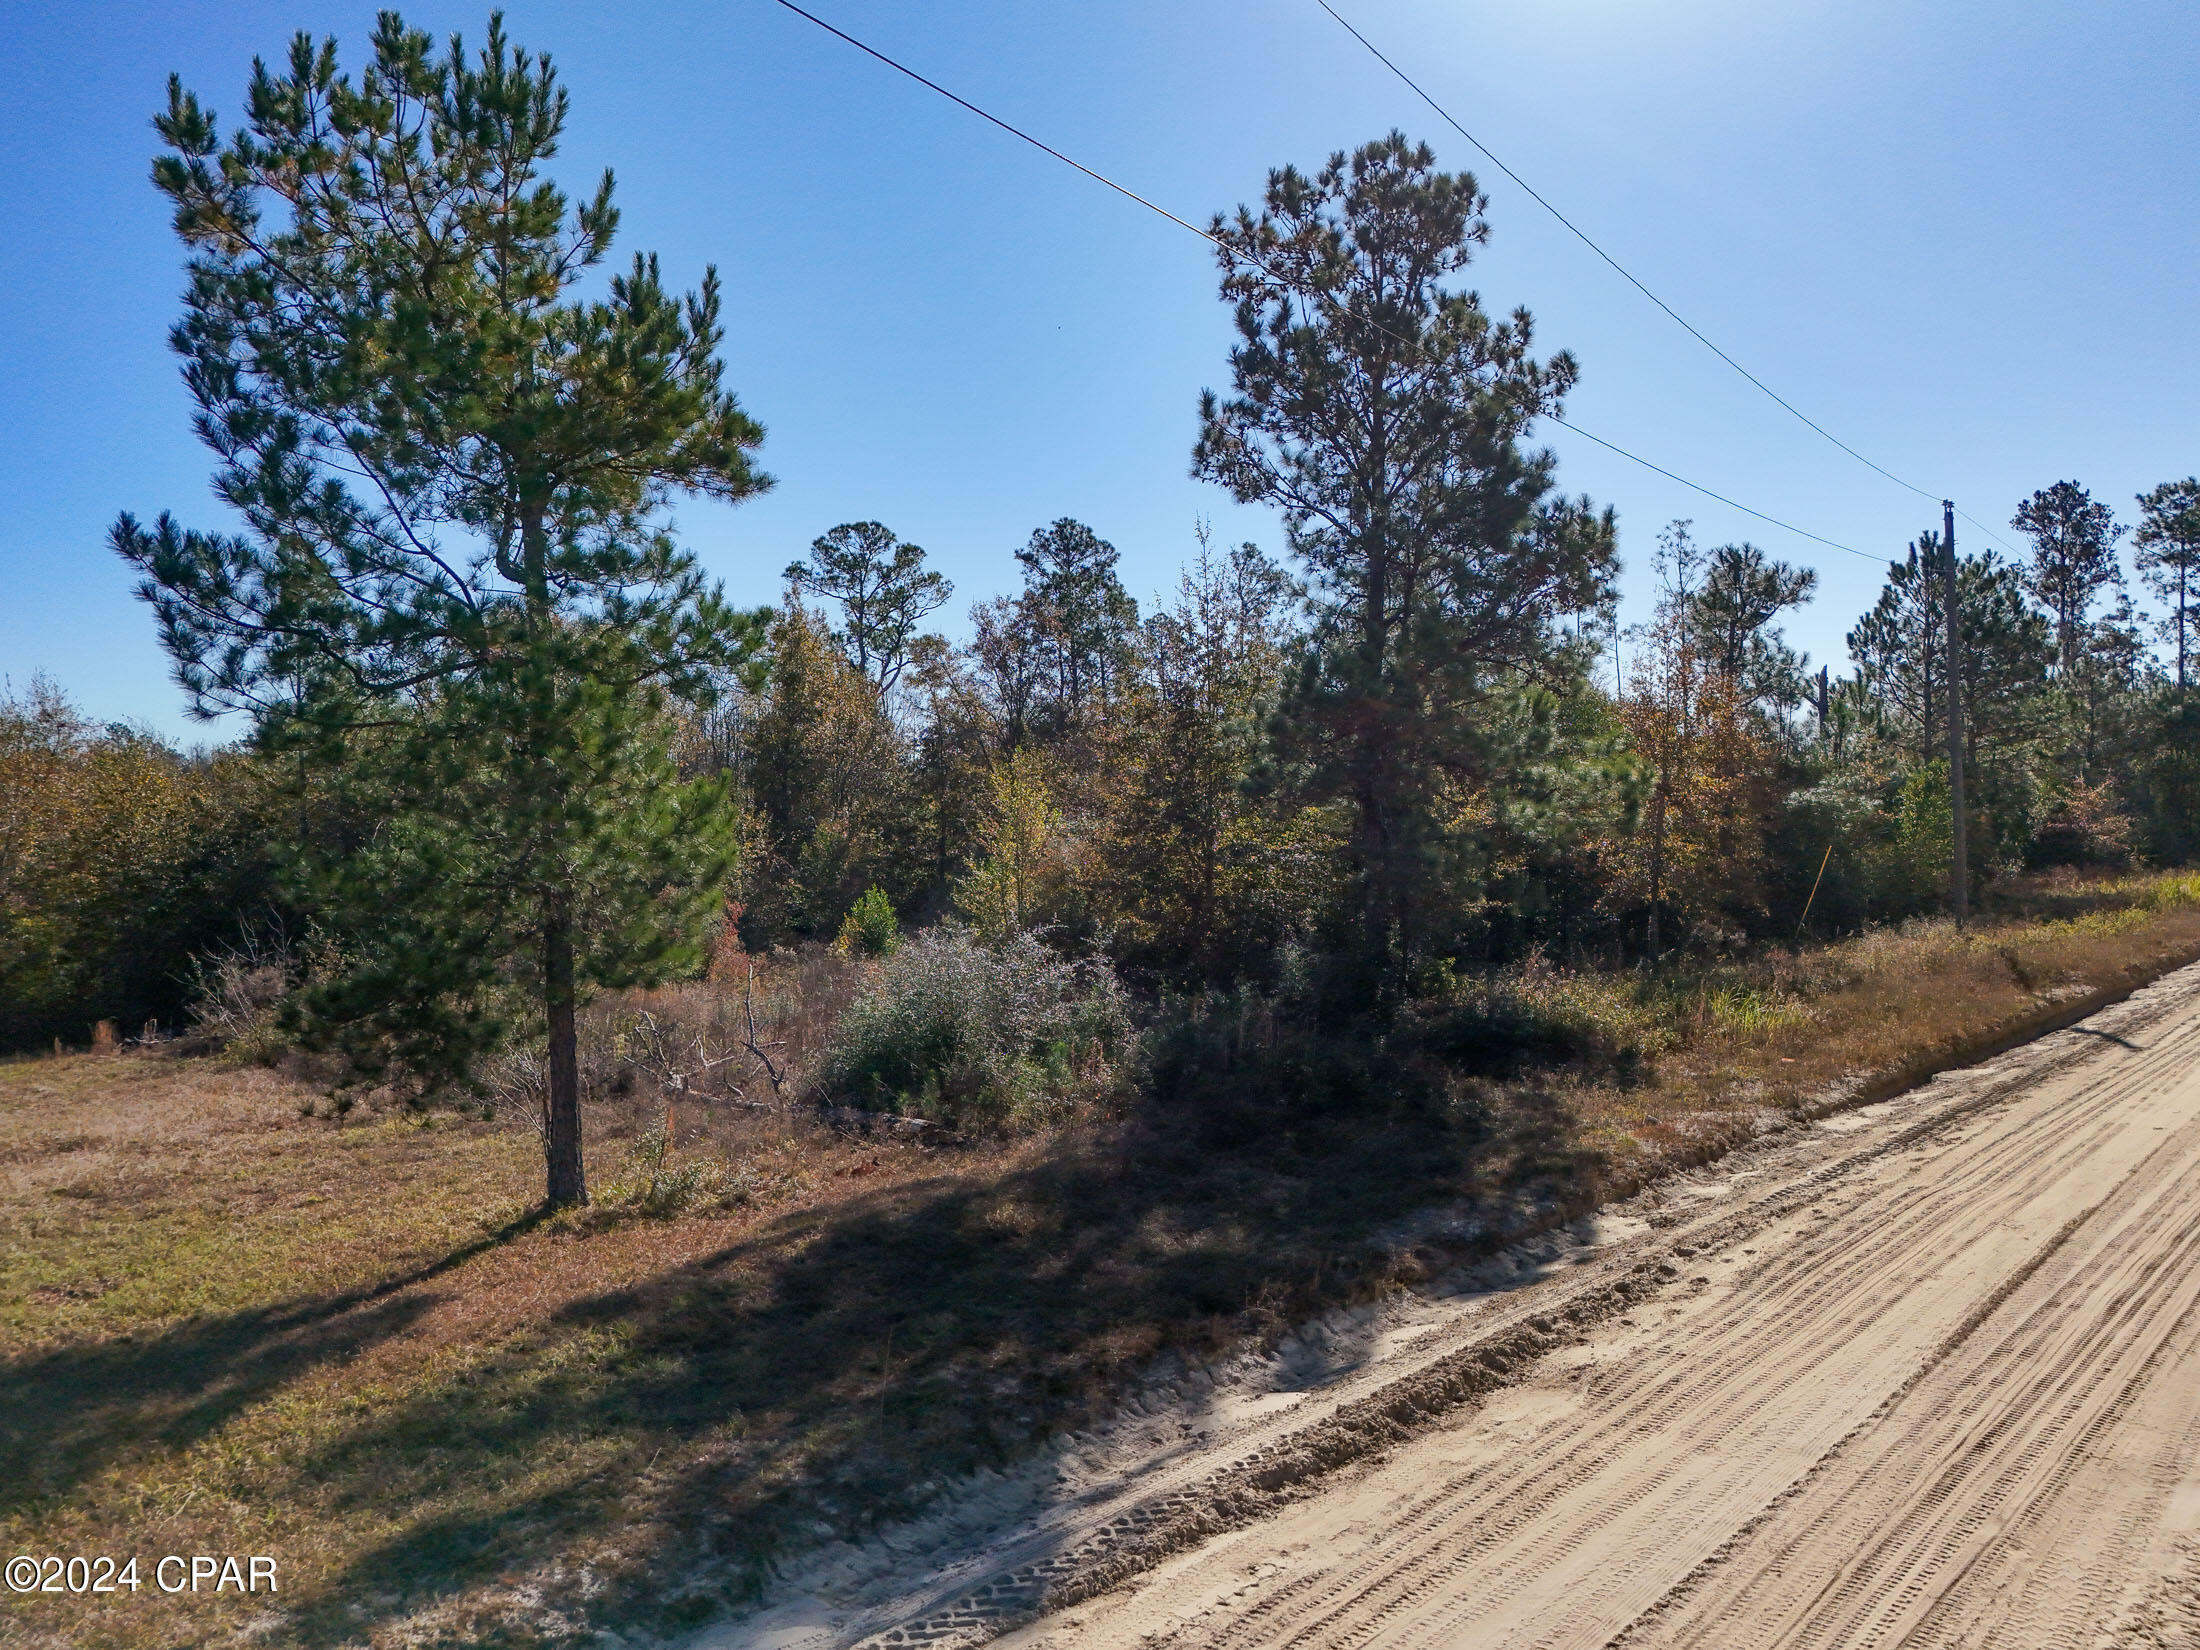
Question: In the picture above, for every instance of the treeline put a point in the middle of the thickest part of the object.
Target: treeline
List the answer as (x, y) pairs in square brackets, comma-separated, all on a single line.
[(123, 862), (531, 752), (1120, 780), (1125, 781), (1077, 767)]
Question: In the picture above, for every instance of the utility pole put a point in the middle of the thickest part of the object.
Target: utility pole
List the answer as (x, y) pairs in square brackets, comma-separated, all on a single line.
[(1959, 872)]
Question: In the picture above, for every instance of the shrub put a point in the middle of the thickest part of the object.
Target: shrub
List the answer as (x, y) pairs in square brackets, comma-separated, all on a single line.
[(120, 860), (2084, 826), (871, 927), (657, 1184), (237, 996), (978, 1036), (1829, 855), (1916, 865)]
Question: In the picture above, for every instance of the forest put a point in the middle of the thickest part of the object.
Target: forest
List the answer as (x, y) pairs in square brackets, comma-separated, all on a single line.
[(513, 758)]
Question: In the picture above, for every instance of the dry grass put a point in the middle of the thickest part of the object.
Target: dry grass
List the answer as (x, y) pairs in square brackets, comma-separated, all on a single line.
[(228, 1327), (1881, 1010)]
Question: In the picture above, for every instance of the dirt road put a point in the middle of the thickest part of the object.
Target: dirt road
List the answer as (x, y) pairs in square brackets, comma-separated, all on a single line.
[(1924, 1374)]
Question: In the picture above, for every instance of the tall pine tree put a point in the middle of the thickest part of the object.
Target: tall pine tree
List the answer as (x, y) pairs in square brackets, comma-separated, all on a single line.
[(883, 590), (2168, 542), (455, 576), (2073, 560), (1734, 613), (1899, 652), (1085, 619), (1385, 413)]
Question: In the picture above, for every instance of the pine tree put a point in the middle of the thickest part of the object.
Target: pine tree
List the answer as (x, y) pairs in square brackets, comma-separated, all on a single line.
[(1898, 650), (871, 928), (1385, 414), (2008, 652), (2168, 542), (1733, 610), (455, 575), (883, 589), (2073, 559), (1074, 602), (2100, 695)]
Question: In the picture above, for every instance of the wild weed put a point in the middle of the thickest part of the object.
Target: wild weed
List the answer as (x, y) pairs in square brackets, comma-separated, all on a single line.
[(978, 1036)]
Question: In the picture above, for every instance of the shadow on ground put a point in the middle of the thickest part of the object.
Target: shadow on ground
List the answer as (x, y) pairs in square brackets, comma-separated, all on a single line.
[(819, 1376), (72, 1411)]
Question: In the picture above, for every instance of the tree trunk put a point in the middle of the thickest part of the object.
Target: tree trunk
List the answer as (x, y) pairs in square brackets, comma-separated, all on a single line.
[(568, 1185), (1375, 847), (1371, 849), (1657, 870)]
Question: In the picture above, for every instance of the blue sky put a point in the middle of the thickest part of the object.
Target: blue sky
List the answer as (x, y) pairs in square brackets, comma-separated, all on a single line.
[(1963, 236)]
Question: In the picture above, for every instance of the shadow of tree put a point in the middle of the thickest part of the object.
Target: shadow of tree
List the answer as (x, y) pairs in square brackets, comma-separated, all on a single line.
[(832, 1366), (73, 1411)]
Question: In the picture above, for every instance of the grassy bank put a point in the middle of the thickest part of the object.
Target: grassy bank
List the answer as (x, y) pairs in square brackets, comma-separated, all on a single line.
[(232, 1327)]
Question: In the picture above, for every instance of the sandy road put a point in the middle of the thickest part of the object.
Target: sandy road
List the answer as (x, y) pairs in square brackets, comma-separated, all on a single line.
[(1943, 1391)]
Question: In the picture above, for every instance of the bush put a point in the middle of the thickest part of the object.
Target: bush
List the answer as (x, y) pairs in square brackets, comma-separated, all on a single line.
[(1914, 870), (871, 928), (656, 1184), (1829, 853), (2084, 826), (120, 860), (978, 1036), (236, 999)]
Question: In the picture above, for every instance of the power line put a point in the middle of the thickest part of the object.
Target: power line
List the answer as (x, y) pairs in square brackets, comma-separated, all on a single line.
[(1628, 276), (1625, 274), (1613, 446), (1183, 223), (1989, 532), (1013, 131)]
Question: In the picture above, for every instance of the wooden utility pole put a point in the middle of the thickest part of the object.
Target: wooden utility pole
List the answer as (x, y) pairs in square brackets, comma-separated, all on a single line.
[(1959, 871)]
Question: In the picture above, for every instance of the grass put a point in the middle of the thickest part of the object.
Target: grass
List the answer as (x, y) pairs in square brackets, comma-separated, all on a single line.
[(228, 1327)]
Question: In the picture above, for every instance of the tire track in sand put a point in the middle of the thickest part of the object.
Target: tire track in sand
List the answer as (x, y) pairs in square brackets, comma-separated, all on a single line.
[(1918, 1404)]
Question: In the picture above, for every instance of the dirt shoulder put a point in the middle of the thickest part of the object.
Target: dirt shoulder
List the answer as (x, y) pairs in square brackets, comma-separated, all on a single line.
[(1926, 1358), (231, 1327)]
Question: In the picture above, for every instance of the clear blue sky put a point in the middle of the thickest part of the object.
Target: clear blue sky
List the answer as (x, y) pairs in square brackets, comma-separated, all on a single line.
[(1961, 235)]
